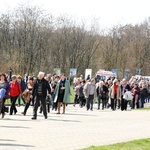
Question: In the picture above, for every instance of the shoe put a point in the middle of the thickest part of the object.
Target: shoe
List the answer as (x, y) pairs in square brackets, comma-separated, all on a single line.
[(33, 118), (45, 117), (98, 108), (63, 113), (23, 113), (58, 113), (15, 113), (40, 112), (3, 114), (74, 105)]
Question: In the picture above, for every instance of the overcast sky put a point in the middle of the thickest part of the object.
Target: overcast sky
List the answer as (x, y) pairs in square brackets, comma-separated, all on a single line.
[(108, 12)]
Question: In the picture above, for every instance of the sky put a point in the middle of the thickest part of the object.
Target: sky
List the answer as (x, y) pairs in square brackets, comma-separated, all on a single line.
[(108, 12)]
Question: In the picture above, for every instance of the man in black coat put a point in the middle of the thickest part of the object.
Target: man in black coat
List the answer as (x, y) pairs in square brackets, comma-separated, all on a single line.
[(124, 86), (40, 89)]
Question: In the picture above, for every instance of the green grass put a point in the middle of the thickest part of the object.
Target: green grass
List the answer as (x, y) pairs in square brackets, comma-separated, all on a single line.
[(148, 108), (72, 94), (143, 144)]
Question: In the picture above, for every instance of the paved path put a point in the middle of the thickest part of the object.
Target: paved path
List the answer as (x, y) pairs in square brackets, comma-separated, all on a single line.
[(76, 129)]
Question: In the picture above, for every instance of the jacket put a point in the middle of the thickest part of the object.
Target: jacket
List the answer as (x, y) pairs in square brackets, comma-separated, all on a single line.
[(67, 94), (45, 88), (128, 96), (144, 93), (86, 90), (15, 89), (111, 92)]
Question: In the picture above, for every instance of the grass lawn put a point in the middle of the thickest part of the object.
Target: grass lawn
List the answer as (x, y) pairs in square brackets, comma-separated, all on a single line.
[(72, 94), (148, 108), (143, 144)]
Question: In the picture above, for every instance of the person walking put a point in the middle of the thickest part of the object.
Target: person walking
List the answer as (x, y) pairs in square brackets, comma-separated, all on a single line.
[(62, 93), (40, 88), (127, 98), (136, 95), (15, 91), (81, 94), (53, 85), (124, 87), (143, 95), (76, 89), (29, 88), (90, 93), (5, 89), (23, 87), (114, 94)]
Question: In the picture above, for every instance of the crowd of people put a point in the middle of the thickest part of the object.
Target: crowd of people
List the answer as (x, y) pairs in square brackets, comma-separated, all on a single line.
[(41, 91), (113, 93), (53, 92)]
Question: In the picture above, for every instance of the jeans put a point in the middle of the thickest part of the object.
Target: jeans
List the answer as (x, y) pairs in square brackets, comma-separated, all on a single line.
[(142, 102), (76, 99), (3, 106), (81, 101), (114, 102), (89, 102), (99, 101), (13, 102)]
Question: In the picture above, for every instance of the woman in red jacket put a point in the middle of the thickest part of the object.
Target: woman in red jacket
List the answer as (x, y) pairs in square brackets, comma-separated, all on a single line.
[(15, 91)]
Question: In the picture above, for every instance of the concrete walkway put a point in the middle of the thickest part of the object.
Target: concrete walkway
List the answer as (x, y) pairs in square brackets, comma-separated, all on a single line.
[(76, 129)]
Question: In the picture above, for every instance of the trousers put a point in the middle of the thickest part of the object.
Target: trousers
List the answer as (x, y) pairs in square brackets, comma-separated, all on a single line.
[(38, 100)]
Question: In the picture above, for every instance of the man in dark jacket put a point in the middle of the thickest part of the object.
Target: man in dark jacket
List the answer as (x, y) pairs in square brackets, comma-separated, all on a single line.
[(124, 86), (143, 94), (40, 89)]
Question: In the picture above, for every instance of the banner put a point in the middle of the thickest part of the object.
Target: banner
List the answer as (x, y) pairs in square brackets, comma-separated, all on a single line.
[(138, 72), (88, 74), (73, 72), (127, 74), (115, 71), (57, 71)]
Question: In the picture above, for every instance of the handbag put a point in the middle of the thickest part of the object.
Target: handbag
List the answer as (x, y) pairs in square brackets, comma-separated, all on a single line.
[(26, 95)]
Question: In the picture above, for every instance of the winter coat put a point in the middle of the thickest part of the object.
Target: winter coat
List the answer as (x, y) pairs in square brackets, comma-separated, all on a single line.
[(111, 92), (45, 88), (144, 93), (67, 94)]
